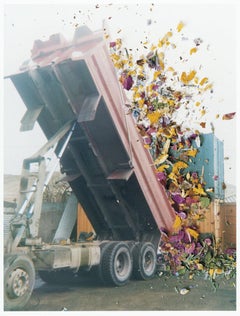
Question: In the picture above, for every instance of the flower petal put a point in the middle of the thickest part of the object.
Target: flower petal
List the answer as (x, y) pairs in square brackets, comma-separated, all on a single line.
[(228, 116)]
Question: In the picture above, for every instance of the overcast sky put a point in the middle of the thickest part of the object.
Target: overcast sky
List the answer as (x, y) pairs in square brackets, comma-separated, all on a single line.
[(213, 23)]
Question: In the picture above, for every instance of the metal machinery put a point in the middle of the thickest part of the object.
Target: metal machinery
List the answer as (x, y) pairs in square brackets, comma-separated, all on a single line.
[(72, 90)]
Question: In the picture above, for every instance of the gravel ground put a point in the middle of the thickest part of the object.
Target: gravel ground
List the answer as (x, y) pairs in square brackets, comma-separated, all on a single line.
[(163, 293)]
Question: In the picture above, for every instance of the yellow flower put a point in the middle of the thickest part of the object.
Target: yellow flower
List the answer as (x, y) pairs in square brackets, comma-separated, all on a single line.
[(118, 43), (180, 26), (132, 73), (136, 95), (141, 102), (197, 103), (161, 55), (191, 75), (196, 80), (153, 47), (192, 232), (193, 50), (199, 190), (161, 64), (204, 80), (219, 271), (199, 266), (161, 159), (191, 152), (168, 132), (156, 75), (177, 223), (164, 40), (203, 112), (153, 117), (178, 166), (170, 69), (208, 86), (115, 57), (166, 146), (172, 177), (186, 78), (171, 102), (160, 43), (162, 168)]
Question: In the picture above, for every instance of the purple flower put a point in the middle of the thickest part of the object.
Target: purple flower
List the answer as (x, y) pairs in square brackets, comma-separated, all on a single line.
[(162, 178), (230, 251), (112, 44), (147, 140), (195, 175), (177, 237), (193, 136), (178, 198), (127, 83), (182, 215), (155, 87), (151, 130)]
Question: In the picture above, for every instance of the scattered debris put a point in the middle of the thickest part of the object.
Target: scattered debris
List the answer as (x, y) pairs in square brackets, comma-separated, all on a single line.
[(228, 116), (184, 291), (157, 94)]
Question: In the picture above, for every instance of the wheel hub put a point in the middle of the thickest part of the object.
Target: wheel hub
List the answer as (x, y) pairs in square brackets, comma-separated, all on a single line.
[(18, 283), (148, 261), (119, 265)]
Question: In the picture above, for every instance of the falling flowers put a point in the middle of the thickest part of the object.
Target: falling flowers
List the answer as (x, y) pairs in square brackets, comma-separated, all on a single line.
[(157, 93)]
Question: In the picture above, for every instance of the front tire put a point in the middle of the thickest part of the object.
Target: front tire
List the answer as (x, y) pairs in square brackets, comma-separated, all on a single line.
[(19, 279), (116, 264)]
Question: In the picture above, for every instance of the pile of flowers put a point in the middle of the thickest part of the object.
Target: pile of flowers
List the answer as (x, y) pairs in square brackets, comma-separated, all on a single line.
[(159, 95)]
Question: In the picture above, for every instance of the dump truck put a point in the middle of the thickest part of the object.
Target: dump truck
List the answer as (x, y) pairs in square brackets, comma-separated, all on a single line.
[(72, 90)]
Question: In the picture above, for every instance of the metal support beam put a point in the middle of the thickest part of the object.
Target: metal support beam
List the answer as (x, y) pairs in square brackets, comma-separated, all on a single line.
[(34, 225)]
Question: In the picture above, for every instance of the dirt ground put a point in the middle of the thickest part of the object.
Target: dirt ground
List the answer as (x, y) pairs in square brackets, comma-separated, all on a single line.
[(163, 293)]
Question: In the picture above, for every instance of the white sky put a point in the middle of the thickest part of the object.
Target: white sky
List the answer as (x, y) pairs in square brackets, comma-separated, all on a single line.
[(213, 23)]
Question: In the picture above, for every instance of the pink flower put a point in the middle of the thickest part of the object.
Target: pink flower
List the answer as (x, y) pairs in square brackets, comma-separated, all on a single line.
[(190, 248)]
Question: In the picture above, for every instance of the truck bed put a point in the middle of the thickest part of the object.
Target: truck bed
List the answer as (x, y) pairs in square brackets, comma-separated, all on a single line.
[(106, 164)]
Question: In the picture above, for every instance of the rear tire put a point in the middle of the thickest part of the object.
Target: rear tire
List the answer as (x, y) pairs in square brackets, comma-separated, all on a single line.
[(19, 280), (144, 261), (116, 264)]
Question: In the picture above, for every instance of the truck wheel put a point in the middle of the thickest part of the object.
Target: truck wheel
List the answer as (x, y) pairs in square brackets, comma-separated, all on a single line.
[(19, 279), (98, 269), (144, 261), (116, 264)]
